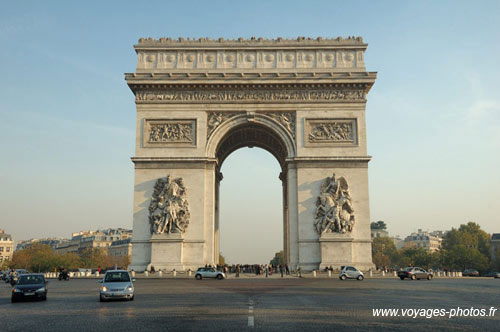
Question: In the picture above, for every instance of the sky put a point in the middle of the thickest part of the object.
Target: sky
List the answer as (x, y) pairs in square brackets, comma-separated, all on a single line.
[(67, 128)]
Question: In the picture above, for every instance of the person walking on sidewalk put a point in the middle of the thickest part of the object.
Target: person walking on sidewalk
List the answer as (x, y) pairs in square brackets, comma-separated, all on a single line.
[(281, 270)]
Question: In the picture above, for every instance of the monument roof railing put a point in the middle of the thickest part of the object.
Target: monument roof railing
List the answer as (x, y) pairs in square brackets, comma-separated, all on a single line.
[(254, 42)]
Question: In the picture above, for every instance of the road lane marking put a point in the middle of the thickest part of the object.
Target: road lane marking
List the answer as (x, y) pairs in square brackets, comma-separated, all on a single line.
[(250, 313), (250, 321)]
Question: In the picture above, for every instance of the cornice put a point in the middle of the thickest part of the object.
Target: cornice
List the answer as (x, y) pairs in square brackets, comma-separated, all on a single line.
[(249, 77)]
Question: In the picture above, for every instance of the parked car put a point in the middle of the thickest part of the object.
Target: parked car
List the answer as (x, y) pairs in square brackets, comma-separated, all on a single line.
[(209, 272), (30, 286), (116, 284), (470, 273), (493, 274), (350, 272), (414, 273)]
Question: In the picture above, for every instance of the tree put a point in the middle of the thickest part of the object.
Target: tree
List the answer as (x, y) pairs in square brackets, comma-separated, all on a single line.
[(222, 260), (379, 225), (467, 247), (278, 259), (384, 252)]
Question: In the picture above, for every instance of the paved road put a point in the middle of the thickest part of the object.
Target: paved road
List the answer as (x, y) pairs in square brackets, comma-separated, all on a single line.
[(291, 304)]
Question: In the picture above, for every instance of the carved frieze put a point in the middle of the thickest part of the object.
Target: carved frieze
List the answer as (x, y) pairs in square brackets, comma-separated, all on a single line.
[(161, 133), (286, 119), (334, 212), (331, 131), (250, 95), (215, 119), (169, 208)]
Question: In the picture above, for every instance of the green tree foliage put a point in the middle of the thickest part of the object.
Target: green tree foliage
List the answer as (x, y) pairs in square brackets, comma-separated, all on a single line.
[(222, 260), (467, 247), (278, 259), (419, 257), (384, 252), (41, 258), (378, 225)]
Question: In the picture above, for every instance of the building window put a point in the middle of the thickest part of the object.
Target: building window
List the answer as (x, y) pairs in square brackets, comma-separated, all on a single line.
[(1, 249), (8, 249)]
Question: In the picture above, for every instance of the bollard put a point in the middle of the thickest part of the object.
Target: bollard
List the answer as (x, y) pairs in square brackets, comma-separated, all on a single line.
[(160, 273), (71, 274), (189, 273), (371, 273), (383, 273), (133, 273), (438, 274), (314, 273), (146, 273), (97, 274), (394, 273), (329, 273), (460, 274), (88, 274), (174, 273)]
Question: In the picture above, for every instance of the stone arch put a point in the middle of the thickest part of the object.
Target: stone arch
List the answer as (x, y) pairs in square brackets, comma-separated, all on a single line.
[(251, 130), (269, 129)]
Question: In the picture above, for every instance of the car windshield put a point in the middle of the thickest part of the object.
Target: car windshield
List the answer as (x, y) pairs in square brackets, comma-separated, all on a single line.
[(117, 277), (30, 280), (407, 268)]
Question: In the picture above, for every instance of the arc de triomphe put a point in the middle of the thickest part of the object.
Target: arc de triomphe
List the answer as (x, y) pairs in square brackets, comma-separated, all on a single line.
[(302, 100)]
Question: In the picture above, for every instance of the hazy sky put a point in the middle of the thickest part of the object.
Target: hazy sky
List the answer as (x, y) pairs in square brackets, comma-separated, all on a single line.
[(68, 118)]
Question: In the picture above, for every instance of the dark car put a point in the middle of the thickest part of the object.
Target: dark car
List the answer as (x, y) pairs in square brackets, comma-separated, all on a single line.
[(493, 274), (414, 273), (30, 286), (470, 273)]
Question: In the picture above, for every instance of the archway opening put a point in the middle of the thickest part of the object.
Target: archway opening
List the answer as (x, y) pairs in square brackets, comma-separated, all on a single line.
[(251, 213), (251, 207)]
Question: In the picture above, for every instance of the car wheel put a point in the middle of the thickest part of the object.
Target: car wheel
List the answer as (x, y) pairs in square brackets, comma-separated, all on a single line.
[(198, 276), (413, 277), (101, 299), (219, 277), (132, 298), (429, 277), (402, 278), (342, 277), (360, 277)]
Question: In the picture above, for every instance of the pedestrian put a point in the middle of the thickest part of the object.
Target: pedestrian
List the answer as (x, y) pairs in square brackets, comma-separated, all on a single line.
[(281, 270), (267, 270), (238, 271), (287, 269)]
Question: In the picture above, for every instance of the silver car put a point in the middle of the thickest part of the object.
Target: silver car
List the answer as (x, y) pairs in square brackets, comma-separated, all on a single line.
[(209, 272), (350, 272), (116, 284)]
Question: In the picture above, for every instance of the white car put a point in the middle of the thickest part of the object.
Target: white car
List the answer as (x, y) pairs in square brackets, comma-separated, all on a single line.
[(116, 284), (350, 272), (209, 272)]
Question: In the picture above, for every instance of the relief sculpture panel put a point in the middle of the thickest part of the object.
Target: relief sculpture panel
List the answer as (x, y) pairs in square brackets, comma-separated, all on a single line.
[(165, 133), (331, 132)]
